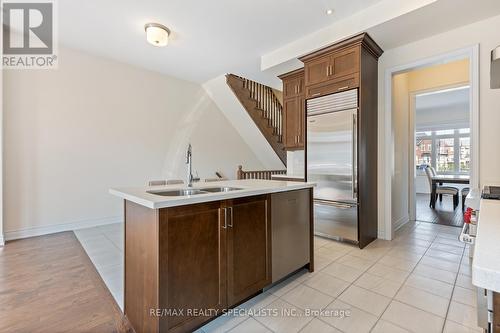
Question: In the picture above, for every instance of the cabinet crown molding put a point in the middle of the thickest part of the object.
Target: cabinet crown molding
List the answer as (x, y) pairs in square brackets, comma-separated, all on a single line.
[(362, 39), (295, 72)]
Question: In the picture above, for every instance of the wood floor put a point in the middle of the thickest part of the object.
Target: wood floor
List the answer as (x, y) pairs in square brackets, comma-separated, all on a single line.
[(443, 214), (48, 284)]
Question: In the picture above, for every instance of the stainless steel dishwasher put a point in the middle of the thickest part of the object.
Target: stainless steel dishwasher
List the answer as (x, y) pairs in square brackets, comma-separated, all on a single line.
[(290, 232)]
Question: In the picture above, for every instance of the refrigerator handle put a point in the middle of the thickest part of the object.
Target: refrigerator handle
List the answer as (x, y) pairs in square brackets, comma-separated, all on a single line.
[(354, 156)]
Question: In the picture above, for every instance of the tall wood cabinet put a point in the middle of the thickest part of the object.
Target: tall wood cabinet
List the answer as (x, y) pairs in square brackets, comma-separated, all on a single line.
[(293, 109), (353, 64)]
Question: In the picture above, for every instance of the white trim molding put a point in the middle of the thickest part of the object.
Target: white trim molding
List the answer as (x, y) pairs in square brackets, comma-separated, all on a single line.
[(401, 222), (51, 229), (471, 53)]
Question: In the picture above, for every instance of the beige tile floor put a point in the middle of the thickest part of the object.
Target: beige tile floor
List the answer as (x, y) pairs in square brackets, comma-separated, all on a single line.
[(419, 282)]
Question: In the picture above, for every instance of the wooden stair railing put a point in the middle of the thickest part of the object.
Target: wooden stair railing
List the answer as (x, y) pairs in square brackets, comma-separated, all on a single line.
[(257, 174), (264, 108)]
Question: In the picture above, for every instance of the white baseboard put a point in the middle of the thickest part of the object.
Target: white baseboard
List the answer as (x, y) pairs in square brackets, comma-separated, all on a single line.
[(381, 234), (51, 229), (2, 240), (400, 222)]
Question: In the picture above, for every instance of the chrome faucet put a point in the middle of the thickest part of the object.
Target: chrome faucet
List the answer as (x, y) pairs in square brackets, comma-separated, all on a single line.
[(189, 162)]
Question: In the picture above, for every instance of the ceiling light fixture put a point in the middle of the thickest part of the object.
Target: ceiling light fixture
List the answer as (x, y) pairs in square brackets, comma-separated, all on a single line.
[(157, 34), (329, 11)]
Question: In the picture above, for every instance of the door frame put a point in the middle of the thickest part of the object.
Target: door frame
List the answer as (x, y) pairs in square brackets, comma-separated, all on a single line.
[(471, 53), (412, 207), (2, 239)]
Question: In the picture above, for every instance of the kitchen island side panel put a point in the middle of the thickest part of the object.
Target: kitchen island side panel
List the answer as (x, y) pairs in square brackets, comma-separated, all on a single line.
[(141, 267)]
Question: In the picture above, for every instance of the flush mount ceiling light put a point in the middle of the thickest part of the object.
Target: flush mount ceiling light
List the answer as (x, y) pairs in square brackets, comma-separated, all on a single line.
[(157, 34), (329, 11)]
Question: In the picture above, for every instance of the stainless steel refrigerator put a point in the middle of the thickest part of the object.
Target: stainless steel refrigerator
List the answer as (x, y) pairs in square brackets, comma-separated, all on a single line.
[(332, 148)]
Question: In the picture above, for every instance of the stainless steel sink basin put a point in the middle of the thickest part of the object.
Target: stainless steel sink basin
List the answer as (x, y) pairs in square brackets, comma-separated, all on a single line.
[(220, 189), (178, 193), (192, 191)]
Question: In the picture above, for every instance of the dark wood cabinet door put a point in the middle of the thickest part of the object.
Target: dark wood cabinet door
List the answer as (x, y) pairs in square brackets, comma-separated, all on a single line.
[(248, 247), (192, 264), (291, 109), (345, 62), (291, 87), (317, 71), (302, 123)]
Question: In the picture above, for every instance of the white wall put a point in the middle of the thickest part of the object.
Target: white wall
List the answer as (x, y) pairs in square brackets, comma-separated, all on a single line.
[(484, 33), (92, 124), (404, 84), (400, 119), (1, 148)]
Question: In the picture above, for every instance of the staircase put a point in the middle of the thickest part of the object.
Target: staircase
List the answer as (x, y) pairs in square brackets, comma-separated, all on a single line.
[(263, 107)]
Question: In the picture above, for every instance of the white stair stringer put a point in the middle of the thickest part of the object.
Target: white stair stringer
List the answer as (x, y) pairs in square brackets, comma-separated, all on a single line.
[(231, 107)]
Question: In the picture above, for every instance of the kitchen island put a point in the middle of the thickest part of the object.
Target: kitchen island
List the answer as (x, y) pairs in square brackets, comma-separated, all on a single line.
[(486, 264), (192, 253)]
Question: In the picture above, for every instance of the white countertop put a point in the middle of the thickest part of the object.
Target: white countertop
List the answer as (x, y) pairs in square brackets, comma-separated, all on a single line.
[(249, 187), (486, 261)]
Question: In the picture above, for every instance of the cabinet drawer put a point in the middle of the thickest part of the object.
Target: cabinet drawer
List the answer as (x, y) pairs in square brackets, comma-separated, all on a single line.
[(333, 86)]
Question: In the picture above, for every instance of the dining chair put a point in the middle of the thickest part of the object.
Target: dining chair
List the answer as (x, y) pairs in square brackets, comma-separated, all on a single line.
[(441, 190)]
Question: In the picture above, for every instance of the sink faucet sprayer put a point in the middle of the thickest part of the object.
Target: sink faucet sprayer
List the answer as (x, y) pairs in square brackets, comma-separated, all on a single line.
[(189, 162)]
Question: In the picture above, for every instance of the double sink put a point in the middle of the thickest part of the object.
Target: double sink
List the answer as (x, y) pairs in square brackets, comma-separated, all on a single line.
[(193, 191)]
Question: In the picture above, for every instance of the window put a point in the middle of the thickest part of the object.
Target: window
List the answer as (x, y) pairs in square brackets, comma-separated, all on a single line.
[(445, 155), (424, 153), (448, 151), (465, 154)]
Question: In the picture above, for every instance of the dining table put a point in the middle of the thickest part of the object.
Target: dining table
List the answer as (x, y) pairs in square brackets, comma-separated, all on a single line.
[(446, 179)]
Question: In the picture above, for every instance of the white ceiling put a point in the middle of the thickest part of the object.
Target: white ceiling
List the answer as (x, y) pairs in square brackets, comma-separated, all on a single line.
[(208, 38), (438, 17), (446, 109), (443, 98)]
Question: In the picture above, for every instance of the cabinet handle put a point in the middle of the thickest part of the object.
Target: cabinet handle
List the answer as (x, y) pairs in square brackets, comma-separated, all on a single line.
[(343, 88), (225, 218), (231, 217)]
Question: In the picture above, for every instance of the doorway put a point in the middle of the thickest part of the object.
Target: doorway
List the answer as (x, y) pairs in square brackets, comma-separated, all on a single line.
[(411, 88), (440, 129)]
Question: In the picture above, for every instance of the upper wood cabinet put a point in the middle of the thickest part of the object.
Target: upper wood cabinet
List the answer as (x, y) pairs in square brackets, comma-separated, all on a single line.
[(317, 71), (293, 109), (293, 87), (331, 66), (337, 67), (345, 62)]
